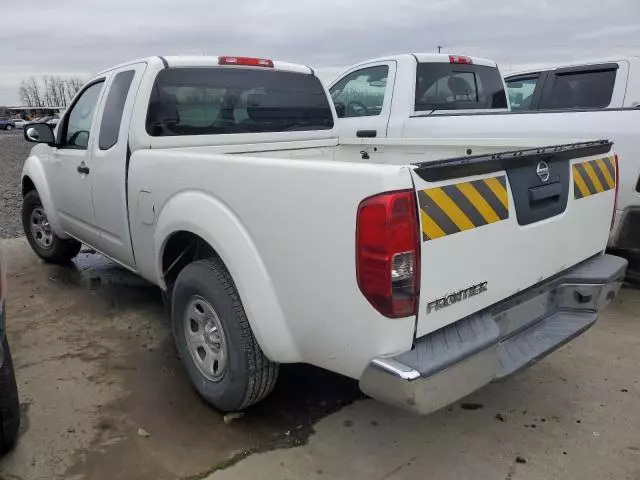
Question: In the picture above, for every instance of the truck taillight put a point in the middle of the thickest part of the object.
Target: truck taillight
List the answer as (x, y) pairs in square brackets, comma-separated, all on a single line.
[(387, 252), (460, 59), (615, 200), (246, 61)]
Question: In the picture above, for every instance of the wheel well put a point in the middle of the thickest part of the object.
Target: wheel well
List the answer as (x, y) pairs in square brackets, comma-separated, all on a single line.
[(181, 249), (27, 185)]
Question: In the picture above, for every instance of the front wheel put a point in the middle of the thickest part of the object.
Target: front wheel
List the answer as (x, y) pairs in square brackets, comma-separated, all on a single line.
[(9, 128), (222, 357), (41, 236)]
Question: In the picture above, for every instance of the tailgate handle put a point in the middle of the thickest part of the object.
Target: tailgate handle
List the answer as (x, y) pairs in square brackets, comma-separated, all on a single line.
[(545, 192), (366, 133)]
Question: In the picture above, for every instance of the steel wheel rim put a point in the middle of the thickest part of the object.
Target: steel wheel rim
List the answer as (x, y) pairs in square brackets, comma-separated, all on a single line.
[(40, 228), (205, 338)]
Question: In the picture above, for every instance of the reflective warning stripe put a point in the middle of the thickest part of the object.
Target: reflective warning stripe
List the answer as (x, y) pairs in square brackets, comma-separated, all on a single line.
[(430, 228), (605, 172), (462, 206), (478, 200), (594, 176), (578, 182), (450, 208)]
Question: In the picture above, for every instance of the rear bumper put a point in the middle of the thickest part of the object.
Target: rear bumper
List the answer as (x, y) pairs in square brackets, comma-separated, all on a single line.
[(448, 364)]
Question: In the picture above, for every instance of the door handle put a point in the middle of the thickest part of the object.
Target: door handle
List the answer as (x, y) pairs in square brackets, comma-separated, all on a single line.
[(366, 133), (82, 168)]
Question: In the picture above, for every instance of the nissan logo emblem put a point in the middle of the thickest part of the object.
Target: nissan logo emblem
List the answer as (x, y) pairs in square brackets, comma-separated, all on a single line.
[(543, 171)]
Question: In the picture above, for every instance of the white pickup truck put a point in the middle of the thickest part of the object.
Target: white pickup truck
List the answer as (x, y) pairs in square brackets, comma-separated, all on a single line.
[(415, 97), (223, 181)]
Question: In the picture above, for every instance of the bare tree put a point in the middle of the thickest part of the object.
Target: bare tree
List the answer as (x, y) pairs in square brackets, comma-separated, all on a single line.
[(49, 91), (30, 93), (73, 86)]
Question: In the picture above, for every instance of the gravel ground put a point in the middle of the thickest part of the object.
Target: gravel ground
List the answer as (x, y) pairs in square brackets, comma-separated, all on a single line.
[(13, 152)]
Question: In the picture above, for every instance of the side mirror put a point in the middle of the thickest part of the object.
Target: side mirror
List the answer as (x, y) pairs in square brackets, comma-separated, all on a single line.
[(341, 109), (39, 133)]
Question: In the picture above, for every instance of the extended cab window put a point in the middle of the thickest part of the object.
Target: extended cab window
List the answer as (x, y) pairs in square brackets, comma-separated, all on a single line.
[(580, 89), (361, 93), (223, 100), (521, 92), (78, 128), (449, 86), (113, 109)]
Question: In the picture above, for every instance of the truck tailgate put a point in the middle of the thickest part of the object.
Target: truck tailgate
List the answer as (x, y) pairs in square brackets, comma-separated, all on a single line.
[(497, 224)]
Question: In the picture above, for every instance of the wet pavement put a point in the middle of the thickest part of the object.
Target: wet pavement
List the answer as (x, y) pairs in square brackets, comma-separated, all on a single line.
[(96, 361), (104, 396)]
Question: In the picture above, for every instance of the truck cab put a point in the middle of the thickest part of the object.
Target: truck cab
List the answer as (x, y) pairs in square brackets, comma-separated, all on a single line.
[(377, 98), (592, 84)]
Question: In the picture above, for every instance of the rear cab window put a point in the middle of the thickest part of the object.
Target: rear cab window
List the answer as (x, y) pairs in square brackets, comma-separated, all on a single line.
[(453, 86), (583, 87), (227, 100)]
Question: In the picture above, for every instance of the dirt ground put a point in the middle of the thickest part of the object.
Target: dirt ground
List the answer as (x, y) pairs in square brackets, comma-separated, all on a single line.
[(96, 362)]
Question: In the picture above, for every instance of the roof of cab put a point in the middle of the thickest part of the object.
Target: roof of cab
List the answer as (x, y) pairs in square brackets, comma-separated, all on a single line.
[(430, 58), (209, 61), (549, 66)]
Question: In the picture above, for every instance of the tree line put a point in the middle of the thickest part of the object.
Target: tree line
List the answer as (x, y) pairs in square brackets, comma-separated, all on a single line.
[(49, 91)]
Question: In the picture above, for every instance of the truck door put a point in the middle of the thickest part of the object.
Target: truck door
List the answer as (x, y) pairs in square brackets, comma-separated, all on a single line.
[(70, 165), (362, 98), (110, 163)]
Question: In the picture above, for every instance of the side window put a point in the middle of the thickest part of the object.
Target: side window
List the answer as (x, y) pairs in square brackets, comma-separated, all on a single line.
[(521, 92), (582, 89), (361, 93), (113, 109), (80, 118)]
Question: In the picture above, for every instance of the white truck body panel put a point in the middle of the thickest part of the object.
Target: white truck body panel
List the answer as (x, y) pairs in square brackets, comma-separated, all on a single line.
[(509, 257)]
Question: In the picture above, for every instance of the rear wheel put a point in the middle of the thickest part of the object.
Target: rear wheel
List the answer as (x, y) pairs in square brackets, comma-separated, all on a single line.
[(41, 236), (214, 338), (9, 128), (9, 403)]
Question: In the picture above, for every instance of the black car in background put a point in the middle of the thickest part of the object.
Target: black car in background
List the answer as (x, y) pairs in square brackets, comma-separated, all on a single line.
[(9, 403), (7, 123)]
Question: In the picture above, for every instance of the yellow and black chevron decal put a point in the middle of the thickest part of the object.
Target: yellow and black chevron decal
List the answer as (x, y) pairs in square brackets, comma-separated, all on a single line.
[(593, 177), (462, 206)]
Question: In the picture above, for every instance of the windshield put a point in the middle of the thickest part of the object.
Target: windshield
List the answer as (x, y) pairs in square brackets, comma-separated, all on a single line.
[(452, 86)]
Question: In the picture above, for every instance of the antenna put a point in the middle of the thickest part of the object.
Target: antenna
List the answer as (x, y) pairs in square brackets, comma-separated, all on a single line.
[(439, 48)]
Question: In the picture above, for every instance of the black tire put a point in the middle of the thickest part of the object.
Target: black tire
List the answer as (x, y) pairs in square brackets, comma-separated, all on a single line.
[(9, 402), (8, 128), (249, 375), (60, 251)]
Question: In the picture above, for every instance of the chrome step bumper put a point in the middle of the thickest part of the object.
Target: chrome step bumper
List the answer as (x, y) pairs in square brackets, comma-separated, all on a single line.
[(448, 364)]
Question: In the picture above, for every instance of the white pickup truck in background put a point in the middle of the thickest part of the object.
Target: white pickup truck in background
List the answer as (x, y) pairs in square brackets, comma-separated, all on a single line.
[(597, 97), (420, 270), (414, 97)]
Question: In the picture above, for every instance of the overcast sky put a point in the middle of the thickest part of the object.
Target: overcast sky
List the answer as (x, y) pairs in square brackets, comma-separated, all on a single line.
[(80, 37)]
